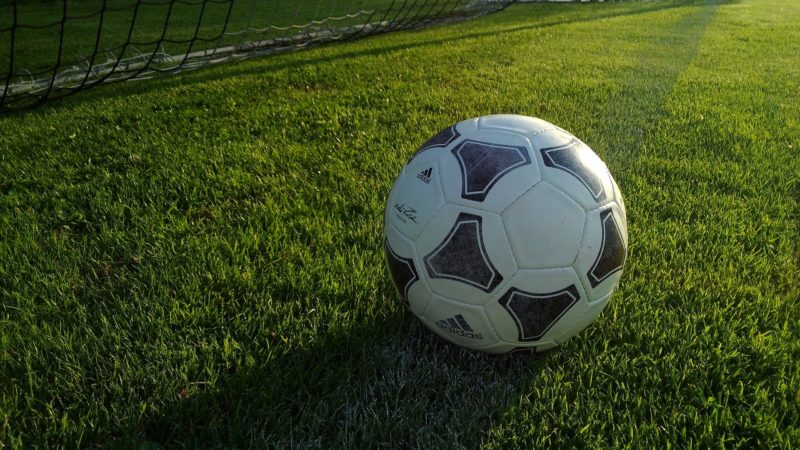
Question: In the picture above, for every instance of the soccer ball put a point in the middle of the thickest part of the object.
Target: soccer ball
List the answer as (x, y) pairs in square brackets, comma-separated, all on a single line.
[(505, 232)]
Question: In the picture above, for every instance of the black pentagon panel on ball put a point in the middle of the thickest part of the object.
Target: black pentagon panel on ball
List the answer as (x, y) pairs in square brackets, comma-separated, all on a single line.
[(535, 313), (574, 159), (611, 257), (402, 269), (442, 139), (483, 164), (462, 256)]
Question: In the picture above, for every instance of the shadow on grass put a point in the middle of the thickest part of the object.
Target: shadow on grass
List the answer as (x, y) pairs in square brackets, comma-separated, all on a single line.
[(545, 20), (364, 388)]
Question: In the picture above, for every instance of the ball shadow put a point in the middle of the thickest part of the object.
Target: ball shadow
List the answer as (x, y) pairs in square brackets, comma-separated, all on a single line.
[(389, 382)]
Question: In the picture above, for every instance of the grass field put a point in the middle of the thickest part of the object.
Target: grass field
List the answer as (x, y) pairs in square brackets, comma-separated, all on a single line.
[(196, 261)]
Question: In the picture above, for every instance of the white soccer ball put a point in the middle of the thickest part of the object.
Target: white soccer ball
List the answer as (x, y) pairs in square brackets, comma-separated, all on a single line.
[(505, 232)]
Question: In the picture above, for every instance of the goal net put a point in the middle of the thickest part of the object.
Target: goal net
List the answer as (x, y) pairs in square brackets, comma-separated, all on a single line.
[(53, 48)]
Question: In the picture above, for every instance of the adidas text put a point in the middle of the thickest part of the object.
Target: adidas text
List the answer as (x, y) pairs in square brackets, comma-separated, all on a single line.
[(458, 326)]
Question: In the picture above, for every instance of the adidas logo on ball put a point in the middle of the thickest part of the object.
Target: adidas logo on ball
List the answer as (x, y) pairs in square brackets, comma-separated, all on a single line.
[(425, 175), (458, 326)]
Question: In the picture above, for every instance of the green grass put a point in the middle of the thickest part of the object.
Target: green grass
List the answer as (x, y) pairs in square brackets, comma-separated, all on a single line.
[(196, 261)]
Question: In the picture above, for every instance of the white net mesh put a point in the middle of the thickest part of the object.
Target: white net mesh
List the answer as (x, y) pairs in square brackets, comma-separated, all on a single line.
[(57, 47)]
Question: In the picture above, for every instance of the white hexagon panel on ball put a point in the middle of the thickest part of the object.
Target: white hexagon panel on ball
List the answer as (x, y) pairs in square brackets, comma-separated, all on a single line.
[(461, 324), (530, 127), (415, 197), (544, 227)]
